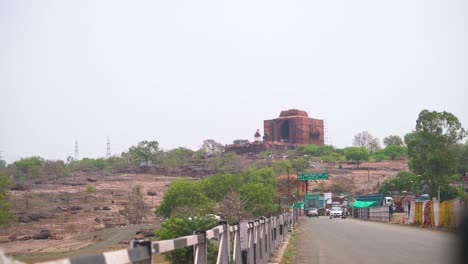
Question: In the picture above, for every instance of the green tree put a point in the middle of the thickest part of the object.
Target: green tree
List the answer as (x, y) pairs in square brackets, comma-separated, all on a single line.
[(309, 149), (300, 164), (186, 194), (395, 151), (179, 157), (332, 157), (7, 215), (175, 227), (429, 148), (356, 154), (265, 176), (147, 151), (282, 166), (393, 140), (30, 167), (217, 186), (403, 184), (3, 164), (463, 159), (258, 198)]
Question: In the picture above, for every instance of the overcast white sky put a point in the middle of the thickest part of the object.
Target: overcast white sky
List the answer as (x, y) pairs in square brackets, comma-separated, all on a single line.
[(183, 71)]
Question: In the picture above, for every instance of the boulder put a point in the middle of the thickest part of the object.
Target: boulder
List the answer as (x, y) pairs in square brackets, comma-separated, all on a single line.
[(34, 217), (24, 238), (44, 234), (19, 187), (76, 208), (107, 208), (24, 219), (91, 179), (47, 216)]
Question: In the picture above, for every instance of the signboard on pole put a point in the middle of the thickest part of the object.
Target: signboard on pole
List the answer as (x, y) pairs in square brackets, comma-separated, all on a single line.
[(298, 205), (313, 176), (312, 196)]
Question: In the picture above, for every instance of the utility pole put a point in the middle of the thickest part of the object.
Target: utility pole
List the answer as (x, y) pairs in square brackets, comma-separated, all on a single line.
[(108, 153), (77, 156)]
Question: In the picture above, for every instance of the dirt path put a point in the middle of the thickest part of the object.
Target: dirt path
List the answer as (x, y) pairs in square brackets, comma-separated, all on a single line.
[(114, 236)]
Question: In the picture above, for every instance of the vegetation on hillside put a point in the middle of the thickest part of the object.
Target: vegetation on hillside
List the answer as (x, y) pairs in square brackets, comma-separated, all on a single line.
[(7, 215)]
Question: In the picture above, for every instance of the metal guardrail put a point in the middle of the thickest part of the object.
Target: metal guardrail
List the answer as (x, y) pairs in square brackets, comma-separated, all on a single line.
[(264, 236)]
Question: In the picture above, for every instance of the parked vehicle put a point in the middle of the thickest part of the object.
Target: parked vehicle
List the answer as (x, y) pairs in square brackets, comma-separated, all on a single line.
[(312, 212), (378, 198), (336, 212)]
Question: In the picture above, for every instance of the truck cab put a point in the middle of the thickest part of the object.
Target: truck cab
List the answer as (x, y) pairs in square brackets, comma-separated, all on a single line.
[(388, 201)]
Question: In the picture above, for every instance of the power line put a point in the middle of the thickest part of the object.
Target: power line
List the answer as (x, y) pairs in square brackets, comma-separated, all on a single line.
[(108, 153), (77, 157)]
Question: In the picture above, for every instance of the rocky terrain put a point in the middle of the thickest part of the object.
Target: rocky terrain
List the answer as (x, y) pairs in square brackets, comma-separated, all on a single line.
[(62, 217)]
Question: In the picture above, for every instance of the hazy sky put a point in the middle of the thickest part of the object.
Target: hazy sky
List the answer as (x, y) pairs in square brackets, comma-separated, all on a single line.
[(183, 71)]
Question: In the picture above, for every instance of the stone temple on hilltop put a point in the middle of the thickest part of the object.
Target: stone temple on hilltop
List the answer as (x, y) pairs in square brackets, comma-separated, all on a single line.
[(292, 128), (295, 127)]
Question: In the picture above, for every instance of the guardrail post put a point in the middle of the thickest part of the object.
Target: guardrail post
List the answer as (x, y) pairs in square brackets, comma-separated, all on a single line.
[(257, 241), (275, 232), (237, 250), (145, 244), (251, 243), (200, 250), (270, 236), (281, 228), (223, 255)]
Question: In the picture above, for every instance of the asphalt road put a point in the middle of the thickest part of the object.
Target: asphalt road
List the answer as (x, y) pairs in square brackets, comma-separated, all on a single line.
[(349, 241)]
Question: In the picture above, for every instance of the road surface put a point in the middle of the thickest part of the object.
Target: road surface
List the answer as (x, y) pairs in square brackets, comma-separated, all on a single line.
[(349, 241)]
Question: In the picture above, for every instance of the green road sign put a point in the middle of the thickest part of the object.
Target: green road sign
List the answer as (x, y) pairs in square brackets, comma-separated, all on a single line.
[(313, 176), (298, 205), (312, 196)]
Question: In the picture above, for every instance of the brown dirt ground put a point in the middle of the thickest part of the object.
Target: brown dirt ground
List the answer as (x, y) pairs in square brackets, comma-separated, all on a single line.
[(79, 233), (360, 180)]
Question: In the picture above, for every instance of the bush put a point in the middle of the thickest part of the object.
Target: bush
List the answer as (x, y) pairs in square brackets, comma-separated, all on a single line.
[(175, 227)]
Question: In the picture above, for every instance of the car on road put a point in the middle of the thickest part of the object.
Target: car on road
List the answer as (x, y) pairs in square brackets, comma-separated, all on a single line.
[(336, 212), (312, 212)]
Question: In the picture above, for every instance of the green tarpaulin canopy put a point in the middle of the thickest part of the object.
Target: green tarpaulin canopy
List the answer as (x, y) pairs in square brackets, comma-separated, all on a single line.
[(361, 204)]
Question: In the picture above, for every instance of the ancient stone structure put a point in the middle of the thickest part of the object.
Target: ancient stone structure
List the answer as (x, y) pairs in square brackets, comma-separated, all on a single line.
[(294, 127)]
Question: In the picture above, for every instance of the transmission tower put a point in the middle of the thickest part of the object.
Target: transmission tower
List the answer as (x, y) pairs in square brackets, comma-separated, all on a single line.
[(108, 153), (77, 157)]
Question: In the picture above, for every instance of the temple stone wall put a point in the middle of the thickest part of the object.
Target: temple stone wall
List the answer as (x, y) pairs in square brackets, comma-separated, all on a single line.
[(295, 127)]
